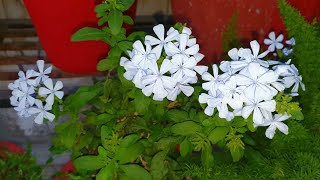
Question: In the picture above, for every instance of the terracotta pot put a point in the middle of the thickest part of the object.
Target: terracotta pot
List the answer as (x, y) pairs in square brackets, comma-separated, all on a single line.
[(56, 21), (256, 18), (9, 147)]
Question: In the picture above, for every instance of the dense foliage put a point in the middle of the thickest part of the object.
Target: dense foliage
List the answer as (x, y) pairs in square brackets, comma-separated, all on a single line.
[(14, 165), (115, 132)]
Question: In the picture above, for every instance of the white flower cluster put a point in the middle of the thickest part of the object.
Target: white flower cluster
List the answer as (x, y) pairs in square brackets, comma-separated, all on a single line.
[(248, 85), (276, 43), (28, 86), (177, 55)]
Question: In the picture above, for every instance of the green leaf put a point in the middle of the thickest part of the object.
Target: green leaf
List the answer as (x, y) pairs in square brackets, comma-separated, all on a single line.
[(102, 7), (129, 154), (218, 134), (250, 124), (178, 115), (237, 153), (79, 99), (106, 131), (139, 35), (88, 33), (141, 102), (108, 64), (106, 173), (105, 117), (125, 83), (185, 147), (125, 46), (126, 4), (115, 21), (298, 115), (134, 172), (207, 158), (167, 143), (128, 20), (185, 128), (129, 140), (159, 169), (103, 20), (88, 163), (70, 135)]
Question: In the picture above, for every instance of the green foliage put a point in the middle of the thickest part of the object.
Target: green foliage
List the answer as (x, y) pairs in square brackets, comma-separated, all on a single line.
[(230, 37), (115, 132), (15, 166), (111, 19), (307, 55)]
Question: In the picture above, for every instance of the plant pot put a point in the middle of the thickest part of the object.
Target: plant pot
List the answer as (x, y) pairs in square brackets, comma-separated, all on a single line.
[(56, 21), (256, 18)]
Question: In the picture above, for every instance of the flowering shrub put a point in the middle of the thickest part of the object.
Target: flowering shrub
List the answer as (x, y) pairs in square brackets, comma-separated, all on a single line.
[(117, 131)]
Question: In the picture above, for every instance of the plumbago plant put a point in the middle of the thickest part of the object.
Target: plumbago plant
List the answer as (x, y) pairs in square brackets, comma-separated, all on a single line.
[(117, 131), (161, 115)]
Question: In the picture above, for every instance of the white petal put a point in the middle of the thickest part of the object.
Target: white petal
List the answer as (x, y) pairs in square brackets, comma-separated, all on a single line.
[(203, 98), (38, 103), (40, 64), (159, 31), (183, 41), (50, 99), (49, 84), (44, 91), (148, 90), (209, 111), (190, 63), (192, 50), (172, 35), (186, 30), (159, 90), (49, 116), (201, 69), (33, 110), (198, 57), (187, 90), (48, 70), (165, 66), (172, 95), (168, 82), (271, 130), (268, 105), (139, 47), (171, 49), (39, 118), (257, 116), (157, 50), (152, 40), (207, 77), (255, 47), (215, 70), (267, 41), (58, 86), (59, 94), (246, 111), (282, 127), (233, 54), (280, 38), (272, 36)]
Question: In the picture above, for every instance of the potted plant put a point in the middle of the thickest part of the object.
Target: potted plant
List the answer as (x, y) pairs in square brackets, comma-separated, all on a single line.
[(254, 19), (55, 22), (17, 164), (161, 115)]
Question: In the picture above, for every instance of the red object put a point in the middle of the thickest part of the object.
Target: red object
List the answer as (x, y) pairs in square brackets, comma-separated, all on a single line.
[(56, 21), (9, 147), (178, 148), (68, 169), (209, 20)]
